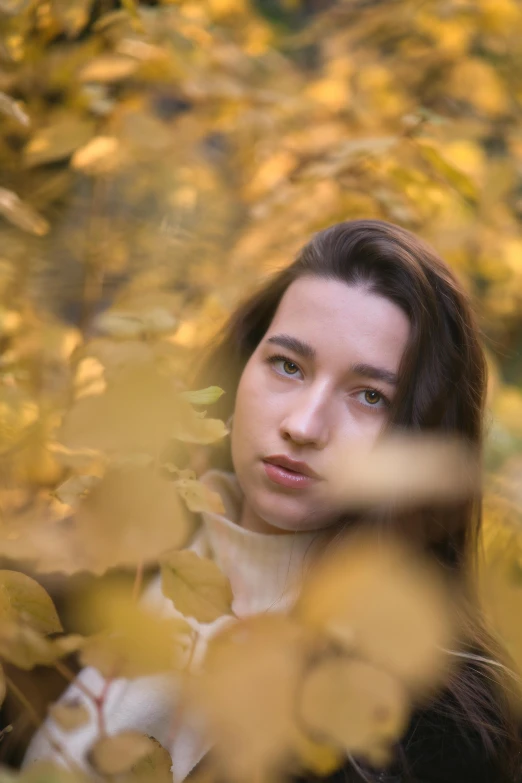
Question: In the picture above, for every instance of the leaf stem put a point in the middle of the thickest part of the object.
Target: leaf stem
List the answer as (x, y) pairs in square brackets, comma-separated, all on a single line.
[(138, 581), (64, 670), (37, 721)]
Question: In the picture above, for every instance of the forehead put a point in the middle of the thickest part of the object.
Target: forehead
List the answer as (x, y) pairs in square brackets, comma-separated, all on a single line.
[(341, 320)]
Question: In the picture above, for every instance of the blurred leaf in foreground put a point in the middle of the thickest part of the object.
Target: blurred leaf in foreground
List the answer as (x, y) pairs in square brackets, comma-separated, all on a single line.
[(401, 629), (135, 641), (21, 214)]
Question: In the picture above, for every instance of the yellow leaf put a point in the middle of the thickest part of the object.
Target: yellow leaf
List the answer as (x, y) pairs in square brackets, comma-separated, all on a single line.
[(57, 141), (23, 599), (75, 488), (198, 430), (501, 600), (507, 408), (117, 754), (331, 92), (131, 516), (467, 156), (203, 396), (139, 412), (73, 15), (401, 629), (155, 766), (247, 692), (100, 155), (3, 685), (69, 715), (354, 704), (44, 770), (271, 173), (121, 324), (403, 468), (320, 758), (108, 68), (455, 177), (135, 641), (26, 648), (21, 214), (476, 82), (198, 497), (12, 108), (196, 586)]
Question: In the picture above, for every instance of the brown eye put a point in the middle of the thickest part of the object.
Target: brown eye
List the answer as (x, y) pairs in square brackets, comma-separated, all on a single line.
[(287, 364), (371, 396)]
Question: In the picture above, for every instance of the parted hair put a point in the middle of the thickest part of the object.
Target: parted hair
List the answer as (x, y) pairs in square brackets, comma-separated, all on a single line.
[(442, 389)]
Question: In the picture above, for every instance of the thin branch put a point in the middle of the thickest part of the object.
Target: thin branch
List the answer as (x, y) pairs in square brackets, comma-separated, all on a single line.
[(37, 721), (138, 581)]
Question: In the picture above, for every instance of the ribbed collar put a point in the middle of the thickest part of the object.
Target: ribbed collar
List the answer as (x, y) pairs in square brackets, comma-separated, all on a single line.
[(265, 570)]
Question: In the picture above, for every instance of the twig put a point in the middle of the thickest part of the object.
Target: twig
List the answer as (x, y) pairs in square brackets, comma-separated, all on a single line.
[(98, 701), (138, 581), (64, 670), (37, 721)]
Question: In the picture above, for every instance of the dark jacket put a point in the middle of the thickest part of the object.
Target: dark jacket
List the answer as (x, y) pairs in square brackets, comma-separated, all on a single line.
[(438, 747)]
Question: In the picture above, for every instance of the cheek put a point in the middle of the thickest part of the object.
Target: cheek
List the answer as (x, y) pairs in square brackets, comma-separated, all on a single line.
[(248, 411)]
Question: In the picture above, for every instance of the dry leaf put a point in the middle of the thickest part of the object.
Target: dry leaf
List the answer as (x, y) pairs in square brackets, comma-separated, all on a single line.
[(132, 515), (22, 599), (21, 214), (3, 686), (203, 396), (196, 586), (57, 141), (135, 641), (355, 704), (12, 108), (247, 691), (138, 412), (199, 497), (69, 715), (404, 470), (402, 628), (155, 766), (99, 156), (75, 489), (118, 753), (26, 648), (108, 68)]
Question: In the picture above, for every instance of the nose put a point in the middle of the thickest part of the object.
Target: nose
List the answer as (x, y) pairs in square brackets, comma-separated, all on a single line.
[(306, 422)]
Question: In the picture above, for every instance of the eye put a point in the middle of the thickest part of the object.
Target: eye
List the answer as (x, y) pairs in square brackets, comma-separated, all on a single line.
[(290, 366), (374, 399)]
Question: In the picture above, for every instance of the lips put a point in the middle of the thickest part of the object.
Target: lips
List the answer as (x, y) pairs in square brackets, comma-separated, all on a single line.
[(296, 466)]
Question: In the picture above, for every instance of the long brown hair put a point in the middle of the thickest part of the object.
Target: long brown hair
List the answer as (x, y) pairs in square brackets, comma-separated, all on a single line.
[(442, 388)]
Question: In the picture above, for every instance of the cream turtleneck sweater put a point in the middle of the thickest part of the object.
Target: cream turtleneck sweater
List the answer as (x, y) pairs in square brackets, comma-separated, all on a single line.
[(265, 572)]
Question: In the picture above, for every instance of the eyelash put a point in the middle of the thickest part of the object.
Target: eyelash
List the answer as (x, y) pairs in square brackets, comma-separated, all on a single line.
[(280, 358)]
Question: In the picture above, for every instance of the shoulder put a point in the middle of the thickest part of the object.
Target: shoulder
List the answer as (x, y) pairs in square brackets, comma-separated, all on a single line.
[(441, 745)]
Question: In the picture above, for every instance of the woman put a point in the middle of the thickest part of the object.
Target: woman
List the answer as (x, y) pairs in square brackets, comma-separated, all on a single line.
[(366, 330)]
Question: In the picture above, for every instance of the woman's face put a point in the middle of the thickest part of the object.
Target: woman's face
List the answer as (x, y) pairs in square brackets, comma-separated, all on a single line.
[(321, 379)]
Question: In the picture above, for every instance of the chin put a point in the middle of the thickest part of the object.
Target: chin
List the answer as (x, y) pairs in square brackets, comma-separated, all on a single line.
[(286, 514)]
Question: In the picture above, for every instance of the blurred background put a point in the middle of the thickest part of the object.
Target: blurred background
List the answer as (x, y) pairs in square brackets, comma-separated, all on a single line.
[(158, 158)]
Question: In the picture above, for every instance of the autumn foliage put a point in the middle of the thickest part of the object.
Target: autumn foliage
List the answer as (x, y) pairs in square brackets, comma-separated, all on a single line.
[(157, 159)]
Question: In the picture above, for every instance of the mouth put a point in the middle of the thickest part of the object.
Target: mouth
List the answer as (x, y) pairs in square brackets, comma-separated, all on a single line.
[(287, 477)]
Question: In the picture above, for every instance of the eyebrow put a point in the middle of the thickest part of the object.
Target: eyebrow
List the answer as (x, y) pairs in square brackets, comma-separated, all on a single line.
[(308, 352)]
